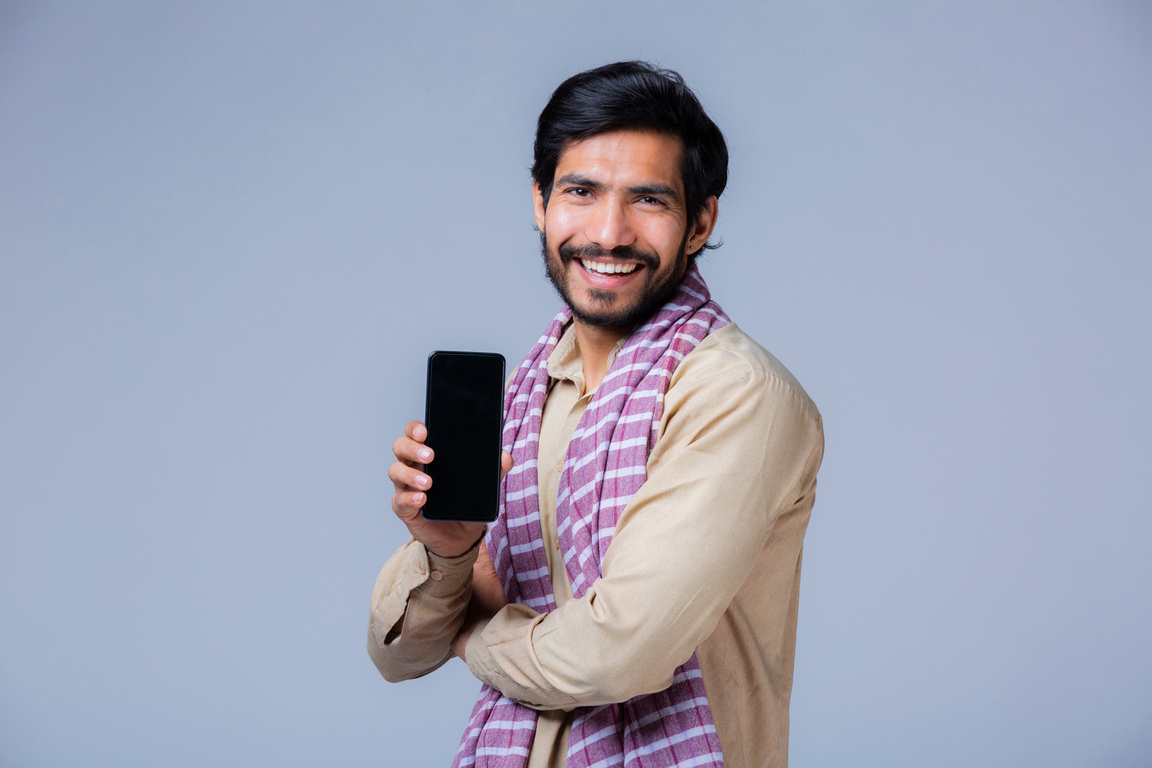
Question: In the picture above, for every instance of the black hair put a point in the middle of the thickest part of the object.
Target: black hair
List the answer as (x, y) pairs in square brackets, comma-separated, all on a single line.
[(633, 95)]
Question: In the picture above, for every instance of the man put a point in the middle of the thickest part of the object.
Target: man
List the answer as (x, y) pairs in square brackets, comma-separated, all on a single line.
[(636, 601)]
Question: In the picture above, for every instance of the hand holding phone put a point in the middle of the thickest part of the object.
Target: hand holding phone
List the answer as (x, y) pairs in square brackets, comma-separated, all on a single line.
[(463, 414), (413, 485), (446, 539)]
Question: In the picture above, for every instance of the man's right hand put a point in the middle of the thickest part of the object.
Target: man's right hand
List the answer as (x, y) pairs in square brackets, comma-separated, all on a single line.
[(446, 539)]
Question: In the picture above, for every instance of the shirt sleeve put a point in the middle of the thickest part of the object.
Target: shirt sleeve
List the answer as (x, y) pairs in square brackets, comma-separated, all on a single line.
[(740, 445), (418, 606)]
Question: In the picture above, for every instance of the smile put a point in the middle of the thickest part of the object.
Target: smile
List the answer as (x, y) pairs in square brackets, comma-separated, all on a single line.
[(604, 268)]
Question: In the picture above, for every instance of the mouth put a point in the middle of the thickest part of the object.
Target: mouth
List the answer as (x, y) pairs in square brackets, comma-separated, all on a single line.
[(608, 268)]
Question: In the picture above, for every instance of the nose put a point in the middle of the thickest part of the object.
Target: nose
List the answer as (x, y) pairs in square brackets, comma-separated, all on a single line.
[(609, 225)]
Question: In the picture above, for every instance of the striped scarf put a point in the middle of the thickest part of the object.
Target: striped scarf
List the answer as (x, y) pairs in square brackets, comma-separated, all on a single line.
[(605, 466)]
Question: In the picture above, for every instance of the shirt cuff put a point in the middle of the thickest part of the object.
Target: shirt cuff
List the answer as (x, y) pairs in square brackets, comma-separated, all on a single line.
[(446, 575), (499, 653), (414, 569)]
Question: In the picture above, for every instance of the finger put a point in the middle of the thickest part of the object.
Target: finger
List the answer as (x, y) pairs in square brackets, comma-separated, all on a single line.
[(407, 505), (406, 478), (417, 431), (411, 451), (505, 463)]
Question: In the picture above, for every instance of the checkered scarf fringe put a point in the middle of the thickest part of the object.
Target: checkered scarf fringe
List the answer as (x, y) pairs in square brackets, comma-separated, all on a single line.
[(605, 466)]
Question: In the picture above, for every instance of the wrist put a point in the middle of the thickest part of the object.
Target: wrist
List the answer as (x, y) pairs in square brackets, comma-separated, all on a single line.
[(452, 550)]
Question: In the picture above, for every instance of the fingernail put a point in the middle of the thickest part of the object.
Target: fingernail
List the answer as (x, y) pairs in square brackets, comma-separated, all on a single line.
[(417, 498), (424, 454), (423, 481)]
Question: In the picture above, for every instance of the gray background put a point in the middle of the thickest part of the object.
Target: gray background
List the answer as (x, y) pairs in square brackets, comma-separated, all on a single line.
[(231, 232)]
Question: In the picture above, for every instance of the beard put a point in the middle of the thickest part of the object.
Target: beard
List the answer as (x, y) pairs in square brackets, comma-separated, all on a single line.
[(607, 309)]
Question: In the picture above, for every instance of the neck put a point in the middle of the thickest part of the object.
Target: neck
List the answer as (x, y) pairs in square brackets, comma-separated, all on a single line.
[(596, 345)]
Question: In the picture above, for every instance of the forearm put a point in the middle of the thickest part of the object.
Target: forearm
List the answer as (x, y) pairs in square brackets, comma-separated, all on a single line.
[(418, 605), (545, 663), (663, 591)]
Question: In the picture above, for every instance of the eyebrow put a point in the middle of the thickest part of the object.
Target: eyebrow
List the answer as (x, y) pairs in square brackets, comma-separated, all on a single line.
[(577, 180), (656, 190)]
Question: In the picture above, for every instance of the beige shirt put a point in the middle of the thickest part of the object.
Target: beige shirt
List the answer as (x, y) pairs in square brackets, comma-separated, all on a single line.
[(705, 558)]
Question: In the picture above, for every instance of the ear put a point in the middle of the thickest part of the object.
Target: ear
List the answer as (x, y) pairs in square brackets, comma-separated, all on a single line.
[(702, 227), (538, 205)]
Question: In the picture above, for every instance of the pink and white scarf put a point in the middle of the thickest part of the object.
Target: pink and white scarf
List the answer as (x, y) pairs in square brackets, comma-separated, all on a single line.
[(605, 466)]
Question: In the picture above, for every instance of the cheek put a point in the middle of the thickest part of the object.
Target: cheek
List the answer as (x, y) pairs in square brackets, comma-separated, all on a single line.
[(666, 241), (560, 224)]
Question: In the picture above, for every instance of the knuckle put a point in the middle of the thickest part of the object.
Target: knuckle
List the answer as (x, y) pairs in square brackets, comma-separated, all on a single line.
[(402, 508)]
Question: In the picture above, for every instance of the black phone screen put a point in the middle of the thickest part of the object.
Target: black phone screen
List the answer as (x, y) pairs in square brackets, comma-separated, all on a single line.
[(463, 413)]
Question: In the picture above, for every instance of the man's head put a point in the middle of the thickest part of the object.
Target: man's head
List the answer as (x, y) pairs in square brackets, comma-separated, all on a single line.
[(636, 96), (627, 171)]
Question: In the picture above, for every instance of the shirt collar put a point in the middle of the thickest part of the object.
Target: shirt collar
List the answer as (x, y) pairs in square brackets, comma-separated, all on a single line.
[(565, 361)]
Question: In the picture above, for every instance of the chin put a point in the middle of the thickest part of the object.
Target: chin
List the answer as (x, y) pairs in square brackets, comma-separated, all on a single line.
[(608, 309), (603, 316)]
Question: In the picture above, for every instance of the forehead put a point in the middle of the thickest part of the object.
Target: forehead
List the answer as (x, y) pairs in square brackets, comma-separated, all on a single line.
[(629, 157)]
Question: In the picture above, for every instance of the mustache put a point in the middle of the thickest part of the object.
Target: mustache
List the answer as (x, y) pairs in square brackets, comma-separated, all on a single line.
[(567, 252)]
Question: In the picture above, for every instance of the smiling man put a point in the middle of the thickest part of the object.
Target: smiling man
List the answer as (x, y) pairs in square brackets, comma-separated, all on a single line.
[(636, 601)]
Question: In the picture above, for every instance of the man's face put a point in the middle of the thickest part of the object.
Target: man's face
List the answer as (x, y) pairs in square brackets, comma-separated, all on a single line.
[(615, 233)]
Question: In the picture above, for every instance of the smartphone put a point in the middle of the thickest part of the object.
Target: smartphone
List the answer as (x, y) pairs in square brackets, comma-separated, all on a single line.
[(464, 414)]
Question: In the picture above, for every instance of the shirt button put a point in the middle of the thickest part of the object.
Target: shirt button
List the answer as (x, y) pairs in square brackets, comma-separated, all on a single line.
[(560, 465), (436, 576), (420, 567), (557, 542)]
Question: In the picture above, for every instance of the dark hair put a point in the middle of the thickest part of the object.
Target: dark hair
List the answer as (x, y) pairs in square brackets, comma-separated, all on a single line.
[(638, 96)]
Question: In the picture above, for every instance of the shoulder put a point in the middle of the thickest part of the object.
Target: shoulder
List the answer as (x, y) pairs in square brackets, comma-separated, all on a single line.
[(728, 369), (734, 414)]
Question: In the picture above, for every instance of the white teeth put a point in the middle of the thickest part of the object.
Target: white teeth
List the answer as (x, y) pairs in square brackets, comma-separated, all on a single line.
[(602, 268)]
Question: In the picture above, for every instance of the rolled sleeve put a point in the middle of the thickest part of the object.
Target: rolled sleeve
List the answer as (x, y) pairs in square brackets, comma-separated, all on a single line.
[(418, 605)]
